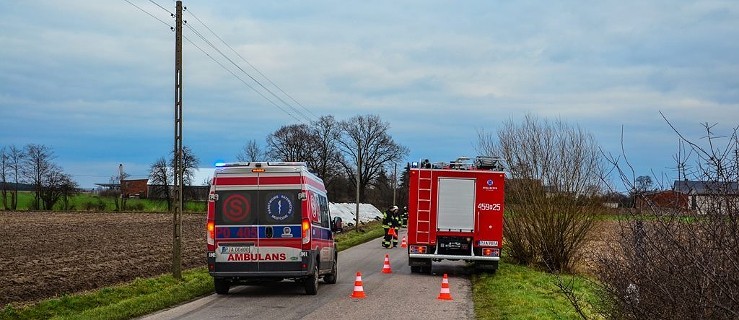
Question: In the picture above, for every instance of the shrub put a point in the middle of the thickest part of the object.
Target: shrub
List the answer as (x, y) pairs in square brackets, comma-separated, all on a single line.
[(666, 263), (138, 206), (94, 205), (555, 174)]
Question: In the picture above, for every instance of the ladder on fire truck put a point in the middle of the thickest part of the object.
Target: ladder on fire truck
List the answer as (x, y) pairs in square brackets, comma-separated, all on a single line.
[(423, 223)]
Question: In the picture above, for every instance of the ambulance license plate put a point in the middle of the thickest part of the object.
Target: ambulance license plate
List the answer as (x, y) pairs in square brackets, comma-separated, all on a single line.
[(229, 250)]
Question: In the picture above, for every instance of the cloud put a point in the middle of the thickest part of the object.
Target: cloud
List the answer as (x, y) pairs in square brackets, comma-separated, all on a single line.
[(95, 80)]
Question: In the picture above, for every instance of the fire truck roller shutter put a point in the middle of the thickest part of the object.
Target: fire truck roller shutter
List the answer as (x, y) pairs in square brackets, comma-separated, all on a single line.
[(456, 204)]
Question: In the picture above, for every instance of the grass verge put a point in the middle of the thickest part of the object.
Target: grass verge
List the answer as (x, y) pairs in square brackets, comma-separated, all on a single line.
[(124, 301), (514, 292), (350, 238), (518, 292), (144, 296)]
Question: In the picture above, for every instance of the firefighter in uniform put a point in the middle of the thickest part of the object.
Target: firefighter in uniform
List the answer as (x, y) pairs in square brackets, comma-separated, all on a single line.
[(396, 226), (390, 222), (404, 217)]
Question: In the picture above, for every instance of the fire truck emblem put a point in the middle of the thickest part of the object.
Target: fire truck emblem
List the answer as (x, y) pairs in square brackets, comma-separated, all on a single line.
[(279, 207)]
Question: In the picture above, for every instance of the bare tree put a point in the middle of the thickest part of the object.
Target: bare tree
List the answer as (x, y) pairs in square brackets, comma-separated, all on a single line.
[(326, 132), (57, 185), (367, 149), (643, 184), (251, 152), (190, 163), (161, 175), (4, 175), (36, 166), (49, 180), (160, 178), (555, 175), (119, 195), (16, 158), (680, 261), (293, 142)]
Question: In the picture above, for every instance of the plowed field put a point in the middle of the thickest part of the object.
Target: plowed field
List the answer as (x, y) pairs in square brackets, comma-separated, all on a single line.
[(47, 254)]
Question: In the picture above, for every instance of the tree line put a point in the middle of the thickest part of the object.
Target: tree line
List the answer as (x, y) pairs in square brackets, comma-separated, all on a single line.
[(33, 164), (355, 157)]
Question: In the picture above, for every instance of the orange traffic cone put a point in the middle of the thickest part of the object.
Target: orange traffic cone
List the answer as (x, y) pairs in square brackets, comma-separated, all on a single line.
[(444, 294), (386, 267), (403, 243), (391, 232), (358, 290)]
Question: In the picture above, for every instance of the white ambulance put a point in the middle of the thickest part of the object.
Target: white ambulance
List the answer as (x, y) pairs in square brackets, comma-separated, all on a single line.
[(269, 221)]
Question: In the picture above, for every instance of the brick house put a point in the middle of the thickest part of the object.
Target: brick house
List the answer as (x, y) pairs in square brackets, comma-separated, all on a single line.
[(134, 188)]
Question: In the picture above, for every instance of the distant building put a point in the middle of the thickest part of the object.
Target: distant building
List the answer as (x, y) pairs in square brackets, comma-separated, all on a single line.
[(662, 199), (709, 196), (136, 188), (140, 188)]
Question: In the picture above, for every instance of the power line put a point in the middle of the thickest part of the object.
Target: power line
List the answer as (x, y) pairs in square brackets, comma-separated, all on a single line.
[(246, 73), (153, 16), (242, 80), (209, 43), (251, 65), (194, 30), (163, 8)]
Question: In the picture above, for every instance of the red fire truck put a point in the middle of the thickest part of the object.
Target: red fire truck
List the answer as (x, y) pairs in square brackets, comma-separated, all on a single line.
[(455, 212)]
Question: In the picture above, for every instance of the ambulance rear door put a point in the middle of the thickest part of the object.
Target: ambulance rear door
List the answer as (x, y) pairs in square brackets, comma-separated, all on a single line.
[(257, 218)]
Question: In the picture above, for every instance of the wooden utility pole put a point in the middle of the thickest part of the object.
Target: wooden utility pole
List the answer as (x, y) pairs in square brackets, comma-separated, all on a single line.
[(395, 181), (359, 173), (120, 186), (177, 216)]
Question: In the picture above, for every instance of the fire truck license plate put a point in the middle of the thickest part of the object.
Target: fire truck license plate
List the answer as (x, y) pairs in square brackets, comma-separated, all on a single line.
[(488, 243)]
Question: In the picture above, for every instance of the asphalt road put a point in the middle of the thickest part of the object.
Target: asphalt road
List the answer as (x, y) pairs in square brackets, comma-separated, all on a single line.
[(397, 295)]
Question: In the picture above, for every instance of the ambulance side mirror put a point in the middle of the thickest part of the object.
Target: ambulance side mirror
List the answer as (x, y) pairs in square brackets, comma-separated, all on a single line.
[(336, 225)]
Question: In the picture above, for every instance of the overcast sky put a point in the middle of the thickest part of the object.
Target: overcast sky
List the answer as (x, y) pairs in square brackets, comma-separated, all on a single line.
[(94, 80)]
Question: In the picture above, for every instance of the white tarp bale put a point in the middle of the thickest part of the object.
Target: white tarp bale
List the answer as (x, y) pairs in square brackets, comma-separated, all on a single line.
[(347, 212)]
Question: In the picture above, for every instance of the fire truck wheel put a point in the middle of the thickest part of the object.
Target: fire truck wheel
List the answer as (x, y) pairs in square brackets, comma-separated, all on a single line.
[(331, 277), (221, 285), (311, 283), (415, 269)]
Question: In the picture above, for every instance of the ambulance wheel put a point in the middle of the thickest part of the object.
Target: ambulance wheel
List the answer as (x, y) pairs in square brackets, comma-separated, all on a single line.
[(221, 285), (331, 277), (311, 283)]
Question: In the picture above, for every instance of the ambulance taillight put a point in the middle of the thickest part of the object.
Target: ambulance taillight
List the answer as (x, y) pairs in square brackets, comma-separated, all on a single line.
[(211, 235), (211, 223), (305, 230)]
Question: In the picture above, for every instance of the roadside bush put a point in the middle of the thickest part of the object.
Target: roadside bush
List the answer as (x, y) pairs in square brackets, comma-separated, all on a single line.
[(548, 231), (554, 176), (94, 205), (673, 263), (138, 206)]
